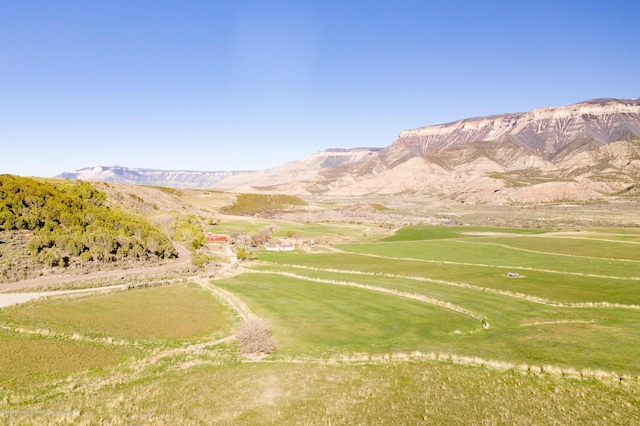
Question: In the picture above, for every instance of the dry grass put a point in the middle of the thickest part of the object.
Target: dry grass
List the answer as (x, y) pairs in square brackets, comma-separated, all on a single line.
[(301, 393), (179, 311), (26, 361), (254, 337)]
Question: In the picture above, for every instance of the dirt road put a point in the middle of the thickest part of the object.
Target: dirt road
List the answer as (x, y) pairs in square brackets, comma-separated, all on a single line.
[(183, 258), (8, 299)]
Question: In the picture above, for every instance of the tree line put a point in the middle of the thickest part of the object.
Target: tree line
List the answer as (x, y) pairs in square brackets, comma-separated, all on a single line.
[(72, 220)]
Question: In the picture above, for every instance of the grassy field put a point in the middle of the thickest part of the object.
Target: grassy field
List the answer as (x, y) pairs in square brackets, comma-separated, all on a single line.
[(50, 339), (320, 394), (573, 306), (312, 318), (340, 231), (28, 361), (426, 326), (172, 313)]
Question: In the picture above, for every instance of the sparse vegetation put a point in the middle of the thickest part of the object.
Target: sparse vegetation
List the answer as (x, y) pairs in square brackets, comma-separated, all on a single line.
[(254, 337), (262, 237), (379, 207), (262, 205), (243, 253), (199, 259)]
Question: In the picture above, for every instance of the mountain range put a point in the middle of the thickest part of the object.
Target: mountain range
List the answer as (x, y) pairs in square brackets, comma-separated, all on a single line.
[(588, 150), (152, 177)]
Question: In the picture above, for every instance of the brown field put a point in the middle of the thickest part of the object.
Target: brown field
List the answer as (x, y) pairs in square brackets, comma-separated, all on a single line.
[(171, 312)]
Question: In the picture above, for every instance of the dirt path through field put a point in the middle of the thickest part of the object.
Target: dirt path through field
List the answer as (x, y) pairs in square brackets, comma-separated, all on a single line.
[(8, 299)]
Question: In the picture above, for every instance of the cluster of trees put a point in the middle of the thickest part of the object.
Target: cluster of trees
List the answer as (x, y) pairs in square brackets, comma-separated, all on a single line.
[(261, 204), (255, 239), (187, 230), (71, 219)]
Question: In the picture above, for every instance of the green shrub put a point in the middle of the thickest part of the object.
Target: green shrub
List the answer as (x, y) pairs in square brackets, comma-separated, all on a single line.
[(71, 219), (244, 254), (199, 259)]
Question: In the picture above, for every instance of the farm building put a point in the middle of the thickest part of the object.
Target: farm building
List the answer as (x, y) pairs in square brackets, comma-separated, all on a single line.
[(280, 248), (212, 238)]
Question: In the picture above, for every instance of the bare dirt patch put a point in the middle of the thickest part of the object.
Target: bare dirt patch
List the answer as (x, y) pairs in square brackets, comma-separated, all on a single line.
[(490, 234)]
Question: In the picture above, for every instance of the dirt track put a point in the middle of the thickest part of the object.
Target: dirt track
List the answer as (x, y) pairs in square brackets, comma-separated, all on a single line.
[(183, 258), (9, 299)]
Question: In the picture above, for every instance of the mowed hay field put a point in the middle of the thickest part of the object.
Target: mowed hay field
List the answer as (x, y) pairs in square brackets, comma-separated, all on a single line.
[(571, 304), (426, 326)]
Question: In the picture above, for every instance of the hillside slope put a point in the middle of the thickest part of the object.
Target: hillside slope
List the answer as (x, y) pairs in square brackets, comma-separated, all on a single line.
[(66, 225), (582, 151), (295, 171)]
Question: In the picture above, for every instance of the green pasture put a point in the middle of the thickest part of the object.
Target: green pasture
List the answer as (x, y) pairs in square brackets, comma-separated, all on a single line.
[(324, 318), (622, 237), (306, 230), (420, 232), (480, 253), (600, 247), (555, 286), (318, 319), (554, 313)]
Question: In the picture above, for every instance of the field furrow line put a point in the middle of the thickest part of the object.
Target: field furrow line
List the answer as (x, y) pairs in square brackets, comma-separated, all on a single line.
[(536, 323), (75, 336), (413, 296), (606, 240), (486, 265), (521, 296), (609, 377), (191, 348), (546, 252), (231, 299)]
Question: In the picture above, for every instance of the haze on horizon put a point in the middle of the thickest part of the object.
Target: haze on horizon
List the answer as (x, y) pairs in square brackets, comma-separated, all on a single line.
[(209, 85)]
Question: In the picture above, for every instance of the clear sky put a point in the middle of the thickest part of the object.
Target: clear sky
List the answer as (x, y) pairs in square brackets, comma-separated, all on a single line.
[(237, 85)]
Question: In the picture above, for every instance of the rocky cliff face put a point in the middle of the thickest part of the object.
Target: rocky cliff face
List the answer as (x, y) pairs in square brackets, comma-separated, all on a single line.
[(544, 132), (587, 150), (168, 178)]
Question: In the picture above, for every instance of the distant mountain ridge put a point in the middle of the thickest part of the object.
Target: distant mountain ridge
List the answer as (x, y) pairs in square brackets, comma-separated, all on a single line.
[(544, 131), (303, 169), (296, 171), (588, 150), (152, 177)]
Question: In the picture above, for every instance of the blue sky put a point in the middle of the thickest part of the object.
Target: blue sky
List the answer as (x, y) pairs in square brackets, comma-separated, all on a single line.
[(237, 85)]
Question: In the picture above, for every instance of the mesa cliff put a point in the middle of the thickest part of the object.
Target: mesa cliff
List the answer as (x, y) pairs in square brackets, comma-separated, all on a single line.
[(585, 151), (588, 150)]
